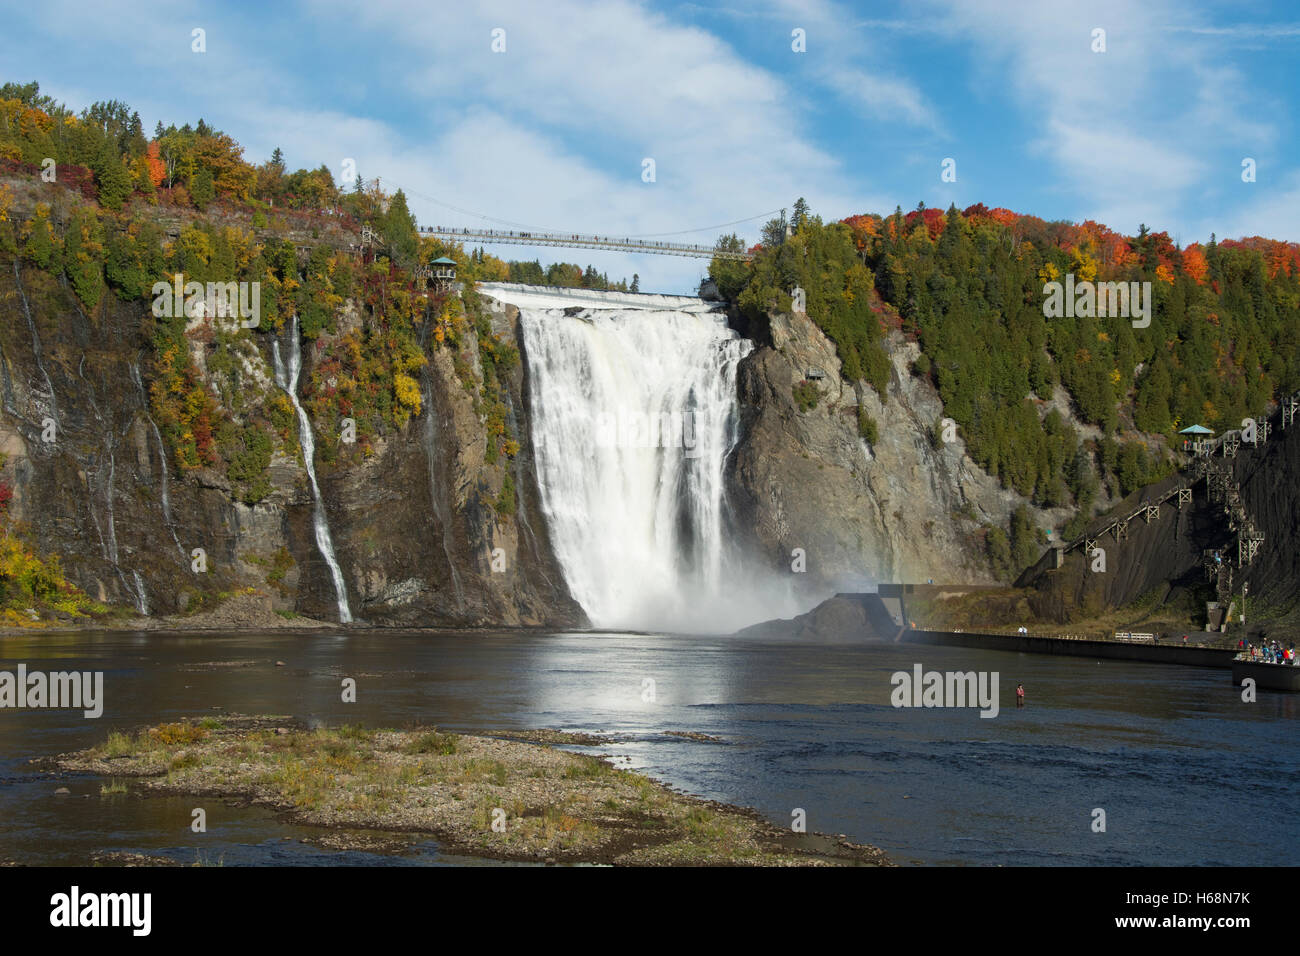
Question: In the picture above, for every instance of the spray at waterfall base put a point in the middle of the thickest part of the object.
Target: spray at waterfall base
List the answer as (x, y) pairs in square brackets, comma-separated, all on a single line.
[(634, 414)]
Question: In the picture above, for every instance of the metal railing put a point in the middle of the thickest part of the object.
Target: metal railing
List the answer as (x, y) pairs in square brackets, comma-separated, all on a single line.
[(1201, 467), (1108, 637), (580, 241)]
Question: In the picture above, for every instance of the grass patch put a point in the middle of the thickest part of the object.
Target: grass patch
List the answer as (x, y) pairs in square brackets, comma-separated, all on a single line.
[(432, 742), (118, 745), (554, 803)]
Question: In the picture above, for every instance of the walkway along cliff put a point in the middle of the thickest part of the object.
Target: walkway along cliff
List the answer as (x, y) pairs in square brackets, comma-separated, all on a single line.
[(1223, 531)]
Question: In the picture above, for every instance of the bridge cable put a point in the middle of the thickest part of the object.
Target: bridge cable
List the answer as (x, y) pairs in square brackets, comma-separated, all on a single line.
[(528, 228)]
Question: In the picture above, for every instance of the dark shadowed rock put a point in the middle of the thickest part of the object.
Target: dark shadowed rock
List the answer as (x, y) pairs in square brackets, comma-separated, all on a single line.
[(839, 620)]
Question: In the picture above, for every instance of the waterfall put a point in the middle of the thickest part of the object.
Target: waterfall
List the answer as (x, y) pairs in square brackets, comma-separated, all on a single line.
[(634, 412), (141, 599), (162, 458), (288, 381), (36, 351)]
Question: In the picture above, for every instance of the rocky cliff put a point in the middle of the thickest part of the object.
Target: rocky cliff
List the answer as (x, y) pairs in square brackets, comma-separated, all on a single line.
[(1156, 569), (413, 523), (904, 507)]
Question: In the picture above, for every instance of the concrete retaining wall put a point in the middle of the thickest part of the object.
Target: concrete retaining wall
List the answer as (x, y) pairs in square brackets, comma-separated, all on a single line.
[(1109, 650)]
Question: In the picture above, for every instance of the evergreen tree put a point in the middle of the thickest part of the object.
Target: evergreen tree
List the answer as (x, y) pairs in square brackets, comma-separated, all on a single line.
[(202, 190), (40, 247), (111, 177), (774, 231), (800, 214), (729, 275), (401, 237)]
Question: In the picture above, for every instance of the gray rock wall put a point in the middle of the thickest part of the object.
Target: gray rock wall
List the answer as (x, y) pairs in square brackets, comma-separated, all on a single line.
[(414, 526)]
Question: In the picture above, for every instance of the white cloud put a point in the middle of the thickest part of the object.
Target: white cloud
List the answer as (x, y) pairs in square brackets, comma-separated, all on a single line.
[(882, 98), (564, 118), (846, 58), (552, 132), (1125, 132)]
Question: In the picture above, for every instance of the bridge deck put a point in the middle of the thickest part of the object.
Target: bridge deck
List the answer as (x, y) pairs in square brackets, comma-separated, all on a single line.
[(579, 241)]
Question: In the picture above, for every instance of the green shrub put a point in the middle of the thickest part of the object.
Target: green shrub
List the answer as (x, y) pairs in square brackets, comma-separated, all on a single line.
[(867, 427), (806, 395)]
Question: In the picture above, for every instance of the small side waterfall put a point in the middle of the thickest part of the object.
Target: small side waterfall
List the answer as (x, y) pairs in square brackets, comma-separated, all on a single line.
[(48, 394), (162, 458), (141, 599), (288, 381)]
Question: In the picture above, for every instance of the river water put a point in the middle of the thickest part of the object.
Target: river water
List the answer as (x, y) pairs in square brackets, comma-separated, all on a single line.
[(1186, 773)]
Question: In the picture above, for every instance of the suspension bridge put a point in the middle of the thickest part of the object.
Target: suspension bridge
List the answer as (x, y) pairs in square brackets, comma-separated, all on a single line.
[(580, 241)]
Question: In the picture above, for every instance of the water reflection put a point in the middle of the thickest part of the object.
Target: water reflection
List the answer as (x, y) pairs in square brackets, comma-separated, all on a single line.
[(1167, 751)]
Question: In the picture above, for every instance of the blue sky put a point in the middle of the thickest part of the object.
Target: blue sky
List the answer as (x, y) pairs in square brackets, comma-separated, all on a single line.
[(552, 132)]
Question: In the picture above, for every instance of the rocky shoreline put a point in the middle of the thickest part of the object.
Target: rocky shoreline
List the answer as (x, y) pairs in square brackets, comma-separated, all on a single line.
[(484, 796)]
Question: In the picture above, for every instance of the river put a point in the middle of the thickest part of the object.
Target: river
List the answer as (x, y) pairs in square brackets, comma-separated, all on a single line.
[(1186, 772)]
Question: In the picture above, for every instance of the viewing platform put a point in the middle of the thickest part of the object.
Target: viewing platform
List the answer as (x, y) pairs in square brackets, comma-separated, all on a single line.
[(1264, 674)]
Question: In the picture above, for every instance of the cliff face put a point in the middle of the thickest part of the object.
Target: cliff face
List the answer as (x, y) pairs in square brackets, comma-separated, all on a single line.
[(898, 509), (1159, 562), (414, 525)]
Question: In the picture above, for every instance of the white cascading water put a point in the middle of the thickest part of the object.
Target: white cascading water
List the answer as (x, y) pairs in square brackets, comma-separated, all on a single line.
[(633, 406), (162, 457), (288, 381)]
